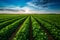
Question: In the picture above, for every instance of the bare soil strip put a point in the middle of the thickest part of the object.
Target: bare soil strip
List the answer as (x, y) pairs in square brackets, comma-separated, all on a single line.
[(46, 31), (12, 36), (30, 33)]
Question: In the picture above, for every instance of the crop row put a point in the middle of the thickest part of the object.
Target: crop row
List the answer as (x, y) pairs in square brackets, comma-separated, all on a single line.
[(50, 22), (2, 19), (52, 19), (23, 33), (52, 29), (7, 31), (30, 27), (38, 33), (6, 23)]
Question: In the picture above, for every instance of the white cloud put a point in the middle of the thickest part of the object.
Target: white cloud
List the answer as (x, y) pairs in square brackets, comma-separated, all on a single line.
[(13, 7), (30, 4), (26, 9), (38, 7)]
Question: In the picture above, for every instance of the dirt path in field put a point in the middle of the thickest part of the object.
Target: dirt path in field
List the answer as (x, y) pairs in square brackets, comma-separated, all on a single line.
[(14, 33), (46, 31), (30, 33)]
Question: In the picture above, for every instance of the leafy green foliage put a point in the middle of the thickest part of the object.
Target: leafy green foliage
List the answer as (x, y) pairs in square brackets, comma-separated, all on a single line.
[(55, 32), (6, 32), (38, 33), (10, 22), (23, 33)]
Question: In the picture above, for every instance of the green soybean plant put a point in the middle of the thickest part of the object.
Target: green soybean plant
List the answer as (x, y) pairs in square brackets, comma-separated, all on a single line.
[(6, 32), (55, 32), (38, 33), (23, 32)]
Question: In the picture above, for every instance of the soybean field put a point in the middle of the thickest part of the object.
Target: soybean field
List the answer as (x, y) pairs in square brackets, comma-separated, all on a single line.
[(29, 26)]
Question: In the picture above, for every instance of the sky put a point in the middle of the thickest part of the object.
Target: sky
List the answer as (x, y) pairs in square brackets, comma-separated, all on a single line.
[(29, 6)]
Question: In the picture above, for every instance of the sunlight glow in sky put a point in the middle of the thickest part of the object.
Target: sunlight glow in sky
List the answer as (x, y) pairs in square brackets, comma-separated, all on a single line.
[(29, 6)]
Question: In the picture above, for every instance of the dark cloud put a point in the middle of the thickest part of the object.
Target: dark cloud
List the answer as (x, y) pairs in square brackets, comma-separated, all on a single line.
[(47, 3), (2, 9)]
